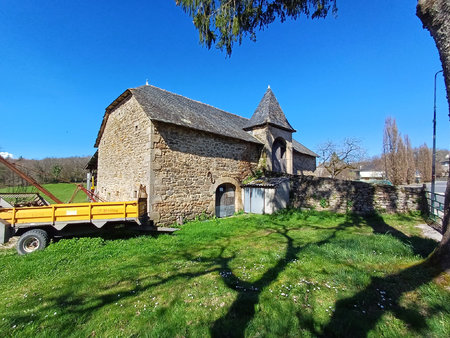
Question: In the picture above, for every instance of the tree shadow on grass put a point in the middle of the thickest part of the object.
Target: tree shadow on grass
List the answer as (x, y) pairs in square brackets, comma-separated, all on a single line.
[(419, 246), (242, 310), (234, 322), (110, 231), (356, 316), (72, 304)]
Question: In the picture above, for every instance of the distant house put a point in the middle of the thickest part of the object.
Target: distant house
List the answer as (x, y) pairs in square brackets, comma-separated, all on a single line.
[(190, 157), (370, 175)]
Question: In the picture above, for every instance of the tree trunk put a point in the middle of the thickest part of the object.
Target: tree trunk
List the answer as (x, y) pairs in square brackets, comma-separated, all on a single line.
[(435, 16), (441, 255)]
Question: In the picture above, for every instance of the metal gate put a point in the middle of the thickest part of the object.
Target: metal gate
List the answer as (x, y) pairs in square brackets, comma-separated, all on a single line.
[(225, 199), (436, 206), (254, 200)]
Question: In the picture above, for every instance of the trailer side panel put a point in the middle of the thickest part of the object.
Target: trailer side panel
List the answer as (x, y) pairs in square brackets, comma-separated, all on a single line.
[(72, 213)]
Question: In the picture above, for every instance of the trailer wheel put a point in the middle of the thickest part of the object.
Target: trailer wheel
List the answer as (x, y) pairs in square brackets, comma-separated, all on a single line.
[(31, 241)]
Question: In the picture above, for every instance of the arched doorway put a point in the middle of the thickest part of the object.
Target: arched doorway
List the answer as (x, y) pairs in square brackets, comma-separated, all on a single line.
[(225, 200), (279, 155)]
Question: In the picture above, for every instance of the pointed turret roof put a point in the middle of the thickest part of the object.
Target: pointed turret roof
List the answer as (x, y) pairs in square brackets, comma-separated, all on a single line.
[(269, 112)]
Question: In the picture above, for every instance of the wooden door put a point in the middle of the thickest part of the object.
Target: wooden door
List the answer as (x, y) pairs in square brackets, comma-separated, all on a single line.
[(279, 156), (225, 200)]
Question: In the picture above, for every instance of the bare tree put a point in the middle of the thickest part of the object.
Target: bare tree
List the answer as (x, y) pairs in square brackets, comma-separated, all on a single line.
[(339, 158), (424, 159), (410, 162), (47, 170), (394, 153)]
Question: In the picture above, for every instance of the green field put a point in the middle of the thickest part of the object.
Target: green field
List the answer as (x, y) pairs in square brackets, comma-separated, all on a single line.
[(63, 191), (286, 275)]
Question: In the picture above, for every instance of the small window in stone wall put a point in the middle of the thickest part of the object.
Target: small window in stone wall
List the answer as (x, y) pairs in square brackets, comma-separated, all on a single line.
[(135, 194)]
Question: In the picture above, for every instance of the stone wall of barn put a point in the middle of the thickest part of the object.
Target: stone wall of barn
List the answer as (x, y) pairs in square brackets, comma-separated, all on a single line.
[(124, 153), (323, 193), (187, 167), (304, 164)]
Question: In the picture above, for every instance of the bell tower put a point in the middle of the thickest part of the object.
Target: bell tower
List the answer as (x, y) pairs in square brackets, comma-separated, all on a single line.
[(269, 125)]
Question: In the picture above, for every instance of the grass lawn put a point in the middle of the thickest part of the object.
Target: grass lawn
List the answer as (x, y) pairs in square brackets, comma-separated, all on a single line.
[(63, 191), (290, 274)]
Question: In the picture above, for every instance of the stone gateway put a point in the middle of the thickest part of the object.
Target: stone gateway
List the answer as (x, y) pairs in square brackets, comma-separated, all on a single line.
[(189, 157)]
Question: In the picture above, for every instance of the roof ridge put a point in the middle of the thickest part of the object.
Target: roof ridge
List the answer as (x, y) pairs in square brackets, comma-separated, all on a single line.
[(271, 100), (187, 98), (165, 106)]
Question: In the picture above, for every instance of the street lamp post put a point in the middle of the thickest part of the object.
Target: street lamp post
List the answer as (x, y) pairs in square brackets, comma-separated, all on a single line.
[(433, 165)]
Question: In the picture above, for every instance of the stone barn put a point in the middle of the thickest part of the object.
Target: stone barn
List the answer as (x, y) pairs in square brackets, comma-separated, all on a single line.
[(189, 157)]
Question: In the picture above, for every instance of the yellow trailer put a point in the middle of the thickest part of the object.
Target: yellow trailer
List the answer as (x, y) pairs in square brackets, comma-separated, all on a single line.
[(36, 224)]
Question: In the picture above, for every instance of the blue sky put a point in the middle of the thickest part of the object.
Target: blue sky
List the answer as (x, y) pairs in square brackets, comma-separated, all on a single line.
[(63, 62)]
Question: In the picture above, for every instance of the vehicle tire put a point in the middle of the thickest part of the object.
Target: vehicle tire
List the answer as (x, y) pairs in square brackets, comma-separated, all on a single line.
[(30, 241)]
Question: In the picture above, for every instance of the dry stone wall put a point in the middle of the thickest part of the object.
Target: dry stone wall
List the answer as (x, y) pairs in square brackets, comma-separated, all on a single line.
[(124, 153), (187, 167), (352, 196)]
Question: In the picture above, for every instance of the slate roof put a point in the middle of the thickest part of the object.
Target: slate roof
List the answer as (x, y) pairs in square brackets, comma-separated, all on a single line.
[(302, 149), (164, 106), (161, 105), (269, 112)]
